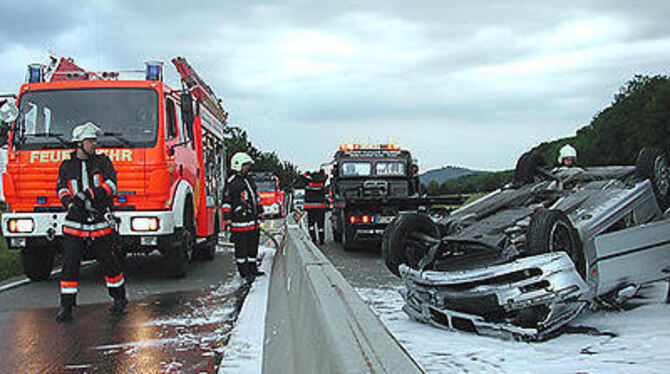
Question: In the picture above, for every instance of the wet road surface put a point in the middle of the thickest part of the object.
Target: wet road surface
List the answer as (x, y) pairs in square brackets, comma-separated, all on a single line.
[(172, 326), (362, 267)]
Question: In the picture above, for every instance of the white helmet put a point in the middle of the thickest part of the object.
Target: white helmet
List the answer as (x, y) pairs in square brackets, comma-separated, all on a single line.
[(239, 159), (86, 131), (565, 152)]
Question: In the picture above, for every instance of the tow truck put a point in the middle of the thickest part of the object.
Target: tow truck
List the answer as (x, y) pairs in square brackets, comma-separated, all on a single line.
[(166, 145), (271, 197), (370, 185)]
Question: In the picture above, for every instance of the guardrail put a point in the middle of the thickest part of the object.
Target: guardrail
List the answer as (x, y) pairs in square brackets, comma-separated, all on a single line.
[(317, 323)]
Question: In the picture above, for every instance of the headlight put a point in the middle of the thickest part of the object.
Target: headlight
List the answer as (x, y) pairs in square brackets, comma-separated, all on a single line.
[(21, 225), (144, 224)]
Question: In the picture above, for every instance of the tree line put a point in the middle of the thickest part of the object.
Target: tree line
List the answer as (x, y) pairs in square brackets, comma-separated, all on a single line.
[(237, 140), (638, 116)]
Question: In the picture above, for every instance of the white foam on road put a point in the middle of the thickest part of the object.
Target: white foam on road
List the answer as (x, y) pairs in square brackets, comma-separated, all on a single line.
[(641, 344), (244, 351)]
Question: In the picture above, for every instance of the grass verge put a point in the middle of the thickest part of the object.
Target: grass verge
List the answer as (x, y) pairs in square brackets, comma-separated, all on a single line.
[(10, 261)]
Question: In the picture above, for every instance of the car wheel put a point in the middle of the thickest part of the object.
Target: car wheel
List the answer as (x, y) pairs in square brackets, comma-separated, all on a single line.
[(552, 231), (400, 247), (37, 262), (526, 168), (652, 164)]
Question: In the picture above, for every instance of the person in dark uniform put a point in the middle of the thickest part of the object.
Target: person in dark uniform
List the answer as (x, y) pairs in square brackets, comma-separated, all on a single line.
[(86, 185), (241, 214), (315, 204)]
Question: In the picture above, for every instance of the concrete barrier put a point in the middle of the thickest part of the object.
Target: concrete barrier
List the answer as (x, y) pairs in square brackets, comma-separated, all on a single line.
[(317, 323)]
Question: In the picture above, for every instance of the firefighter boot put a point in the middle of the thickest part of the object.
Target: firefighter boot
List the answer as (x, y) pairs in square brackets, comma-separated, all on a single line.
[(120, 301), (65, 310), (254, 269)]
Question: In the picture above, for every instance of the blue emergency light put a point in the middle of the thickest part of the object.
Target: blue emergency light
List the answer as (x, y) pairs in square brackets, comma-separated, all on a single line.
[(154, 71), (41, 199), (35, 73), (122, 199)]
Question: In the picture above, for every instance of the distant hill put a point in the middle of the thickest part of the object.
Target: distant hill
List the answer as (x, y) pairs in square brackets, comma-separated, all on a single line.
[(444, 174)]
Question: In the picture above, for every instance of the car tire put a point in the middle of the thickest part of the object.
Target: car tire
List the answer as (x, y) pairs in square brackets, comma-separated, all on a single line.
[(526, 168), (37, 262), (652, 164), (395, 250), (552, 231)]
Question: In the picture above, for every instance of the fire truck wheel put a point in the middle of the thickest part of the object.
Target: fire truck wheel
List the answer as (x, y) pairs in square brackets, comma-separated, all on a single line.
[(37, 262), (207, 250), (179, 254)]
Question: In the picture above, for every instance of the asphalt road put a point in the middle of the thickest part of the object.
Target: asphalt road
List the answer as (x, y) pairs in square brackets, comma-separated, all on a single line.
[(362, 267), (172, 326)]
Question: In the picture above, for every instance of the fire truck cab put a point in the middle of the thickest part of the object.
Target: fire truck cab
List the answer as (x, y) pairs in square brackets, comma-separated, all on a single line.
[(271, 197), (166, 146)]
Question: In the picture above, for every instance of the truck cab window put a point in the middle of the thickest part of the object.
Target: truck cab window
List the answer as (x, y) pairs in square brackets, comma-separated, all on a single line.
[(170, 119)]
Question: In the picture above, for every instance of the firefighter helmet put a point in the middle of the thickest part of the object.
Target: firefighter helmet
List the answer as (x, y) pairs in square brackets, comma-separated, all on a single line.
[(565, 152), (239, 159), (86, 131)]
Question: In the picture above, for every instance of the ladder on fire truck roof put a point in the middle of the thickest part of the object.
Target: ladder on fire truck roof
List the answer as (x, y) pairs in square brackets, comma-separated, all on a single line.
[(200, 89)]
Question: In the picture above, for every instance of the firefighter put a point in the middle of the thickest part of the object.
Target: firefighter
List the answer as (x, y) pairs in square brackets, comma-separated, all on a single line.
[(86, 185), (567, 156), (241, 214), (315, 204)]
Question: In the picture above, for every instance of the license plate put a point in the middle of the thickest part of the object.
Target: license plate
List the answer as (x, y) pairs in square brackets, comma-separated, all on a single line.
[(385, 219)]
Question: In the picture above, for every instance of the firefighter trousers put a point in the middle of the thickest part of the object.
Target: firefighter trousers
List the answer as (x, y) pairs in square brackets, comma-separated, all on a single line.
[(73, 251), (246, 251), (315, 221)]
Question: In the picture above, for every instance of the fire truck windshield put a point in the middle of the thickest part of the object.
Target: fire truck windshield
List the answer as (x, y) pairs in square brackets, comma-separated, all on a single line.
[(266, 185), (128, 115)]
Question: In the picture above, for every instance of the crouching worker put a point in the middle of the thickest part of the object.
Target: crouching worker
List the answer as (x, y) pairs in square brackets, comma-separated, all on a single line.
[(241, 214), (86, 185)]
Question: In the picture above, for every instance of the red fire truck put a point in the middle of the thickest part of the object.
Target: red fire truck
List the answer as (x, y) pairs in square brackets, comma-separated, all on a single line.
[(166, 145), (271, 197)]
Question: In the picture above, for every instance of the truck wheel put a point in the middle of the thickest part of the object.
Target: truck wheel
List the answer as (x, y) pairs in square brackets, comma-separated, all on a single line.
[(337, 236), (37, 262), (652, 164), (207, 250), (182, 249), (551, 231), (348, 242), (398, 247)]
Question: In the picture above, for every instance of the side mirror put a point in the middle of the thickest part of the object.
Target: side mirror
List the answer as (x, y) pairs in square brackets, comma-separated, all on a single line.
[(187, 108)]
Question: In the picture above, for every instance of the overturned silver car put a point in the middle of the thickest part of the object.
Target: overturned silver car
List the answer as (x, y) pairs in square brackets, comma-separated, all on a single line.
[(524, 260)]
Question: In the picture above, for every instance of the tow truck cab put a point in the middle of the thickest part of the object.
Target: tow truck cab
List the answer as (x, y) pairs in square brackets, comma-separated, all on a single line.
[(369, 186)]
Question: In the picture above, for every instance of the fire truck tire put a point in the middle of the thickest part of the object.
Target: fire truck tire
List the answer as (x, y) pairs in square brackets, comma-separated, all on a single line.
[(182, 249), (207, 250), (37, 262)]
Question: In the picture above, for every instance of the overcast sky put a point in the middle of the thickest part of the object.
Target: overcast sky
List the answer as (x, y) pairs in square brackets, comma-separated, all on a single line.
[(467, 83)]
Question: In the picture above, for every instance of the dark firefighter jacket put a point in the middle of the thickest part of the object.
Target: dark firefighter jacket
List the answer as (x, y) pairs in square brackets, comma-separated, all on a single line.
[(96, 178), (240, 204), (315, 190)]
